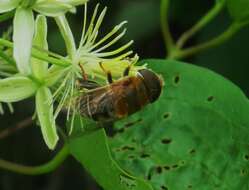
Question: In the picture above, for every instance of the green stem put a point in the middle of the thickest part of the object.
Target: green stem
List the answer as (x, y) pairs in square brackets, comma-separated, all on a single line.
[(39, 55), (6, 16), (212, 13), (37, 170), (225, 36), (7, 69), (168, 39), (7, 58)]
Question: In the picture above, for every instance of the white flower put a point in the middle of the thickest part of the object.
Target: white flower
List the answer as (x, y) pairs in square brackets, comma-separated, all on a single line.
[(90, 53), (24, 24)]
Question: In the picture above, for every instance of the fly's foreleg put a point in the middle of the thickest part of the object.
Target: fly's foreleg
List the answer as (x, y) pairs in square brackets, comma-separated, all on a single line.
[(128, 68), (107, 72), (85, 83)]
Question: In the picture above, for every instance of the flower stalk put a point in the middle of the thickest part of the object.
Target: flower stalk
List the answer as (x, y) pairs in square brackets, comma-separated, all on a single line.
[(37, 170)]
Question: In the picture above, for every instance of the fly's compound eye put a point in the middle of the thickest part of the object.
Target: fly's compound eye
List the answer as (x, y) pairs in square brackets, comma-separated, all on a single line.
[(152, 83)]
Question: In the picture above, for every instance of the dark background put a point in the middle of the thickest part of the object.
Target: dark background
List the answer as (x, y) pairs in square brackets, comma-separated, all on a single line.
[(230, 60)]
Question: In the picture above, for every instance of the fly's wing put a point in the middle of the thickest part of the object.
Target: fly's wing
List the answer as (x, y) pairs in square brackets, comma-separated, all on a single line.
[(88, 84), (97, 104)]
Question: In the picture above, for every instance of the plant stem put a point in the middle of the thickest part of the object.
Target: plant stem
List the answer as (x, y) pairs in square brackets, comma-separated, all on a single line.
[(7, 58), (20, 125), (7, 70), (37, 170), (168, 39), (225, 36), (212, 13), (6, 16), (40, 55)]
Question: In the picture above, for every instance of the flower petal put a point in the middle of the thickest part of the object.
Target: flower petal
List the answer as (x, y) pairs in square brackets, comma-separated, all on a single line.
[(39, 68), (67, 35), (74, 2), (44, 108), (53, 9), (22, 37), (8, 5), (16, 88)]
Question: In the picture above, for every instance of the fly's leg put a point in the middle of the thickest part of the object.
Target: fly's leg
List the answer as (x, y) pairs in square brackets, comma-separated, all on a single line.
[(128, 68), (126, 71), (84, 75), (108, 73), (84, 82)]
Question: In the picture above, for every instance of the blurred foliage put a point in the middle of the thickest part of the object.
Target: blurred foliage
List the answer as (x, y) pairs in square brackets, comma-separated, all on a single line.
[(231, 60), (238, 9)]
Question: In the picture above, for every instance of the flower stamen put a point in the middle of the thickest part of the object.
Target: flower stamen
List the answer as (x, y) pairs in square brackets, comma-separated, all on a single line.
[(111, 42), (110, 34), (114, 52)]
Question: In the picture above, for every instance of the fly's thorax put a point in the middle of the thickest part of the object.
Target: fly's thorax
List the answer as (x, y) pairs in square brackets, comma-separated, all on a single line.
[(129, 96)]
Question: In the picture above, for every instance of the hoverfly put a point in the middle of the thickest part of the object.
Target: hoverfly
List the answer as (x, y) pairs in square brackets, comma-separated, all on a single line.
[(119, 98)]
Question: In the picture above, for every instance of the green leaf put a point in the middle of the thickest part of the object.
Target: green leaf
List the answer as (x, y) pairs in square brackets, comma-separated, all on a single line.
[(22, 37), (44, 108), (239, 9), (8, 5), (39, 68), (92, 151), (16, 88), (194, 137), (53, 8)]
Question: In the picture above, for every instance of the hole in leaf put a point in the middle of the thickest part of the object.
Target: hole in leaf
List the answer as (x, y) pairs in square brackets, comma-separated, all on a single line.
[(216, 185), (210, 98), (130, 124), (159, 169), (164, 187), (126, 181), (177, 79), (144, 155), (166, 115), (149, 176), (117, 150), (133, 140), (243, 172), (175, 166), (166, 141), (182, 162), (121, 130), (128, 148), (131, 157), (247, 157), (190, 186), (166, 168), (192, 151)]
